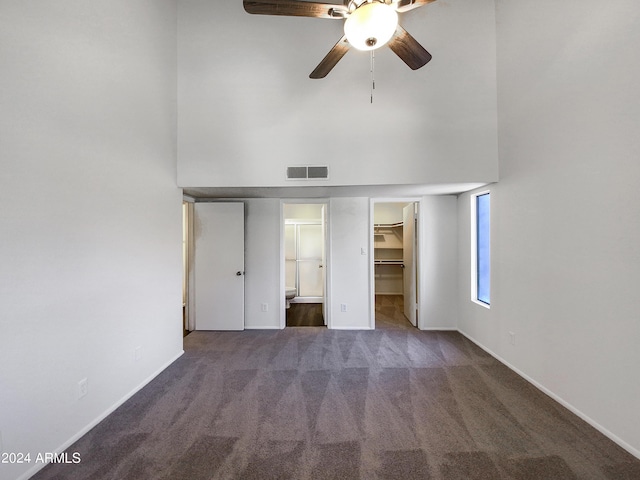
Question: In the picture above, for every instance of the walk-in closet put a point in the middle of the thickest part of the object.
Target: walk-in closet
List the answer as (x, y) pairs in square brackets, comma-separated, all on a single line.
[(394, 242)]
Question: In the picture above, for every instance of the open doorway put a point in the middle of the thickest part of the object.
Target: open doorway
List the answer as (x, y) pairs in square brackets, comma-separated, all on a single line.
[(187, 265), (395, 269), (304, 258)]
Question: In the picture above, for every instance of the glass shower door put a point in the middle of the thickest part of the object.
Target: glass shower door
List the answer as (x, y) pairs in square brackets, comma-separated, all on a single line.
[(310, 246), (291, 256)]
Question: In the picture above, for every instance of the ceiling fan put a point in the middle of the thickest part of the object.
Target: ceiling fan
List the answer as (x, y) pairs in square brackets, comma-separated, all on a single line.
[(368, 25)]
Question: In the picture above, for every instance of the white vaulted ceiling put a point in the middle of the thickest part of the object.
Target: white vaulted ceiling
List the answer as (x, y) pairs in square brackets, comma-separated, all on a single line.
[(247, 108)]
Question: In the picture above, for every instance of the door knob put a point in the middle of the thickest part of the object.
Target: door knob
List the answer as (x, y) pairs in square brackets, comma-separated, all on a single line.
[(239, 274)]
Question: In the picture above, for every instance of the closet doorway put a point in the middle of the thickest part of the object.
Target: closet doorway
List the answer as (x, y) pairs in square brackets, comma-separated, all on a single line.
[(395, 265), (187, 265), (304, 258)]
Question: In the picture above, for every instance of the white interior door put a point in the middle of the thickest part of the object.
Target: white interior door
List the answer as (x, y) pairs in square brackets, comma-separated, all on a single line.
[(219, 266), (409, 262)]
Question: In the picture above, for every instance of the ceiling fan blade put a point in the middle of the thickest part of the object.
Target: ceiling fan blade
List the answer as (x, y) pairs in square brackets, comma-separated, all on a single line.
[(331, 59), (408, 49), (294, 8), (406, 5)]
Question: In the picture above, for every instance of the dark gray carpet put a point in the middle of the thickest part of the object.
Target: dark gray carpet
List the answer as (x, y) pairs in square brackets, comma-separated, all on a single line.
[(312, 403), (305, 315)]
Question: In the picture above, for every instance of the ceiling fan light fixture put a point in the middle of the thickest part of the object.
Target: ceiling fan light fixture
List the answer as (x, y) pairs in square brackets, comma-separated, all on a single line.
[(371, 25)]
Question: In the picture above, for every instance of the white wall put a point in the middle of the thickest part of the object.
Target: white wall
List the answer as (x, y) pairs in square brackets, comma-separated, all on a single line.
[(245, 99), (349, 269), (349, 232), (262, 263), (565, 224), (388, 212), (90, 215), (438, 269), (303, 211)]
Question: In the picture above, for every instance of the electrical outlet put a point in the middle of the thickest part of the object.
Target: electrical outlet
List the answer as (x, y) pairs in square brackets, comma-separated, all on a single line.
[(512, 338), (264, 307), (83, 388), (137, 353), (343, 307)]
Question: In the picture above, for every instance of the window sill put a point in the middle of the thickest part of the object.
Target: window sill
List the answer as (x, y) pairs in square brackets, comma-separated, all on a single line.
[(482, 304)]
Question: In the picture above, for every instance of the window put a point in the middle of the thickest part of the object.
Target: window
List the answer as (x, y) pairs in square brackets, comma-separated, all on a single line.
[(481, 248)]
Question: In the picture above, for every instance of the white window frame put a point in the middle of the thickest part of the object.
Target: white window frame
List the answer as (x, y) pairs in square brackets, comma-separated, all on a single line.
[(474, 249)]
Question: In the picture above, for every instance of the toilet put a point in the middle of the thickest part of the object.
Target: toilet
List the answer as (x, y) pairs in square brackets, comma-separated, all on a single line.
[(289, 294)]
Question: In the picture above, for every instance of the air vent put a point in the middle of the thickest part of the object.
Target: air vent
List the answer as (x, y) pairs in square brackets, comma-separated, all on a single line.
[(318, 172), (297, 173), (310, 172)]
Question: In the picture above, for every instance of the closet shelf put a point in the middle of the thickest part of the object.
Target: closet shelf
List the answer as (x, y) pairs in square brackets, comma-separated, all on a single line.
[(388, 261), (388, 225), (388, 245), (387, 235)]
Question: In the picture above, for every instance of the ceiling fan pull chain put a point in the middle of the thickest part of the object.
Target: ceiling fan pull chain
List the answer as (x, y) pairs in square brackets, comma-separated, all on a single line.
[(373, 80)]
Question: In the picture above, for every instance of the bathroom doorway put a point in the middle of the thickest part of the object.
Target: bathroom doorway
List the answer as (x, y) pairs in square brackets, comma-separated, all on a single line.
[(395, 262), (304, 258)]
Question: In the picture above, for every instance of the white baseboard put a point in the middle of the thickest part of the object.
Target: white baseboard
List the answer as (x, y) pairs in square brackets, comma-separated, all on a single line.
[(39, 466), (258, 327), (633, 451), (352, 328)]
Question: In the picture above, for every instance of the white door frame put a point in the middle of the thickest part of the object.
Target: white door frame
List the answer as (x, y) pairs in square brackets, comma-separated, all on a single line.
[(409, 262), (327, 251), (189, 274), (372, 268)]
